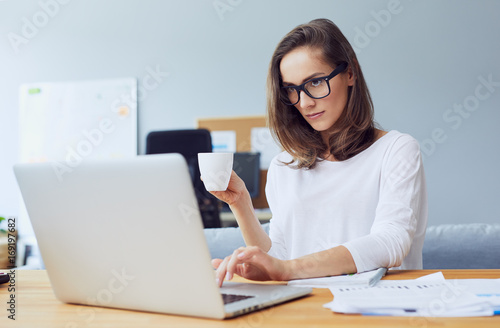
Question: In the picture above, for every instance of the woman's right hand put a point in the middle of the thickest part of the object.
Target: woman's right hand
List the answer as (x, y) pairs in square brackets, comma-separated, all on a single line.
[(234, 192), (252, 263)]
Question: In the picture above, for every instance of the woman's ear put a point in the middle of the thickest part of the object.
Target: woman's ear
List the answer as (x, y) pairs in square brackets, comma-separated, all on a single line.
[(350, 75)]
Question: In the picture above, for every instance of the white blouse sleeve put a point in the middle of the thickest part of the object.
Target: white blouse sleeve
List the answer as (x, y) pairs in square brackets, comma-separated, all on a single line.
[(278, 248), (401, 204)]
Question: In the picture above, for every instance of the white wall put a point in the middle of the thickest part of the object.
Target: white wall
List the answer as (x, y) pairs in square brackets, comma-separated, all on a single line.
[(420, 61)]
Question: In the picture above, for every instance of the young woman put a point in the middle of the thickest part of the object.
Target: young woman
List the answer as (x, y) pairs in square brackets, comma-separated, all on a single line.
[(345, 196)]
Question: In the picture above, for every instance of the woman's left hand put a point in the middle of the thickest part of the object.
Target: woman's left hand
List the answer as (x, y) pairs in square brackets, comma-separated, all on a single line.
[(250, 263)]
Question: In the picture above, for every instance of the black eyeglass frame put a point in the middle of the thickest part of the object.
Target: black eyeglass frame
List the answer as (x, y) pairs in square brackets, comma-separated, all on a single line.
[(339, 69)]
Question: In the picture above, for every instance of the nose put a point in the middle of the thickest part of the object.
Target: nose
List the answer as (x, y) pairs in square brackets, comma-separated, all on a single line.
[(305, 101)]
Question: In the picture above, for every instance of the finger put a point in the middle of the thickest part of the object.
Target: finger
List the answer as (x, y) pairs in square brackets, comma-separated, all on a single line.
[(224, 196), (220, 273), (247, 253), (233, 262), (217, 194), (242, 269), (245, 258), (216, 263)]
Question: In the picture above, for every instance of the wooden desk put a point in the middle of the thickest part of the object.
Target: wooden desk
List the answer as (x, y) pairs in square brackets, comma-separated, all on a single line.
[(37, 306)]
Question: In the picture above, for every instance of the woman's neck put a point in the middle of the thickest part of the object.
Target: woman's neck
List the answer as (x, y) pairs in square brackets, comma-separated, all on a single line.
[(327, 156)]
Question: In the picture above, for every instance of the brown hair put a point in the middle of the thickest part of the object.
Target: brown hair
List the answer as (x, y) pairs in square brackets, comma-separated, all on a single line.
[(353, 132)]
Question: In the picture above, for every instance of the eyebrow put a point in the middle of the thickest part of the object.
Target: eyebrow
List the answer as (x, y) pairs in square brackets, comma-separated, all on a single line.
[(312, 76)]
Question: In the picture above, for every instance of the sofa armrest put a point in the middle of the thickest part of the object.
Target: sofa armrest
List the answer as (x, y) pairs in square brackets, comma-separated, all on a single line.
[(462, 246), (223, 241)]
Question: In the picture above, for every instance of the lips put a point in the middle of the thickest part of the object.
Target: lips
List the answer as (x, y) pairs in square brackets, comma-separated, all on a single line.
[(314, 116)]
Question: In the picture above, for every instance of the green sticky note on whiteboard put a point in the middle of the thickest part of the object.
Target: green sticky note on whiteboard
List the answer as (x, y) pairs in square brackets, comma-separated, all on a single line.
[(33, 91)]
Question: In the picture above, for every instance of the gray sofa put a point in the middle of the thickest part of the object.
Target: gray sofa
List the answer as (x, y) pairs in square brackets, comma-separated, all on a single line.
[(462, 246), (449, 246)]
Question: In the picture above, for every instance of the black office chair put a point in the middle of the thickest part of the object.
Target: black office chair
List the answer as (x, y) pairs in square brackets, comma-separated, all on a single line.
[(247, 166), (189, 143)]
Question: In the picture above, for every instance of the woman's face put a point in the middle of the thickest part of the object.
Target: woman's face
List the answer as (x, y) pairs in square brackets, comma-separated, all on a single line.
[(303, 64)]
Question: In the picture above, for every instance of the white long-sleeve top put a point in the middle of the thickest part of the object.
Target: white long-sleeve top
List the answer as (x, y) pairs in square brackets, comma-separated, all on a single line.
[(374, 204)]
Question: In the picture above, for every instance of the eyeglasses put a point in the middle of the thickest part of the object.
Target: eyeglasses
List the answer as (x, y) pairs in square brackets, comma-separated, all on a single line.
[(316, 88)]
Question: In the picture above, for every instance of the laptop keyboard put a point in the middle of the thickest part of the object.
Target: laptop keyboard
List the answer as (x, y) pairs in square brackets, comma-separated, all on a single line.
[(231, 298)]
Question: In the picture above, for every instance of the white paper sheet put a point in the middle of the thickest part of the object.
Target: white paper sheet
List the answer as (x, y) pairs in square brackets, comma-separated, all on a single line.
[(430, 296), (223, 141)]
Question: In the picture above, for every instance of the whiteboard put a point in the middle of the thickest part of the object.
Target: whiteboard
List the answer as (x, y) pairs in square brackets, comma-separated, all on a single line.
[(73, 121)]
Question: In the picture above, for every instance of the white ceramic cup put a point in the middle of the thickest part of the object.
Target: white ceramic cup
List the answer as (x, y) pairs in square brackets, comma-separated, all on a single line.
[(215, 169)]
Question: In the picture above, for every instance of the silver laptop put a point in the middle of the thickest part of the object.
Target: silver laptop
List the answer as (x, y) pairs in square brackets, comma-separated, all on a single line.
[(128, 234)]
